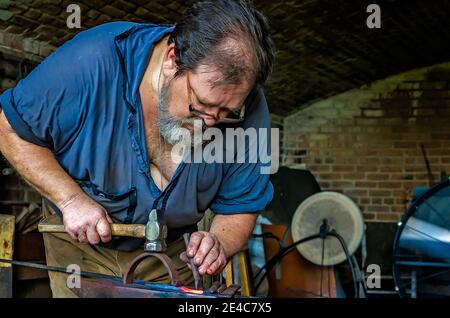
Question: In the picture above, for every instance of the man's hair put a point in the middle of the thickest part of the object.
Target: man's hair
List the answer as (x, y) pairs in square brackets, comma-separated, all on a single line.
[(229, 36)]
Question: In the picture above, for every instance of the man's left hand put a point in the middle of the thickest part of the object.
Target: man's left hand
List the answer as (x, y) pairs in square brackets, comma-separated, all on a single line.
[(207, 252)]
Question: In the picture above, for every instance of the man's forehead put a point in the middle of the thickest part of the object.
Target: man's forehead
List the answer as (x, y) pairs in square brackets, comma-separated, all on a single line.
[(205, 79)]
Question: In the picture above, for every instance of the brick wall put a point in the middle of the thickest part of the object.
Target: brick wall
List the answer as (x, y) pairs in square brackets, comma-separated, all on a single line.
[(14, 192), (366, 143)]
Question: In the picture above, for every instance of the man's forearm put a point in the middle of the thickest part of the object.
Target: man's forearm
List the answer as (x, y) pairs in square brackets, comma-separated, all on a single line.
[(233, 231), (38, 166)]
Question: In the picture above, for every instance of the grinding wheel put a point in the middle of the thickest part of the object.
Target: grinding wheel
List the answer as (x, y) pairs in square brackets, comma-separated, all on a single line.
[(342, 215)]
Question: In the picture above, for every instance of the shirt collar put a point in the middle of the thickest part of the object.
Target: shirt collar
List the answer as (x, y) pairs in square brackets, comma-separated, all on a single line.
[(134, 48)]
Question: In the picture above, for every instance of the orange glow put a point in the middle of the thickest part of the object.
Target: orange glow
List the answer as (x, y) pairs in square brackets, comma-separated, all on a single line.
[(192, 291)]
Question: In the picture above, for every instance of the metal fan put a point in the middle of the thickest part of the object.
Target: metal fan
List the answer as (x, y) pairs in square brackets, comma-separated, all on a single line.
[(334, 211), (421, 266)]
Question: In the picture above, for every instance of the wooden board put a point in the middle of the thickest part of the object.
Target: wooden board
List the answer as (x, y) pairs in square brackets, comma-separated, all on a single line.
[(6, 252)]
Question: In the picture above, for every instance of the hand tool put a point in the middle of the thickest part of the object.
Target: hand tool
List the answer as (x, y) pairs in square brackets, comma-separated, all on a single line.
[(155, 231)]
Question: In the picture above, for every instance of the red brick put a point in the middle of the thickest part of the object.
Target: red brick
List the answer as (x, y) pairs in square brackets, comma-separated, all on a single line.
[(342, 168), (412, 152), (366, 152), (410, 160), (329, 176), (364, 200), (378, 201), (388, 217), (390, 169), (369, 216), (421, 176), (397, 176), (353, 176), (33, 196), (377, 176), (341, 184), (319, 168), (365, 184), (390, 152), (389, 185), (405, 144), (12, 195), (414, 168), (432, 160), (369, 160), (414, 183), (444, 136), (325, 185), (380, 193), (398, 208), (378, 208), (317, 160), (438, 152), (391, 161), (432, 144), (399, 193), (366, 168), (355, 192)]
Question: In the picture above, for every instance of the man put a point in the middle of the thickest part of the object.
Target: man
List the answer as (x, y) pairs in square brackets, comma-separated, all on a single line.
[(93, 126)]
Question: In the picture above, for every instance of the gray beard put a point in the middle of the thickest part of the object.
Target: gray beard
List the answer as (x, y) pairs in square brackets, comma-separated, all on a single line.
[(169, 127)]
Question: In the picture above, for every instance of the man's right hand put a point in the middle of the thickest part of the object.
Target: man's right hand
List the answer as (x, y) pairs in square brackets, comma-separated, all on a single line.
[(85, 220)]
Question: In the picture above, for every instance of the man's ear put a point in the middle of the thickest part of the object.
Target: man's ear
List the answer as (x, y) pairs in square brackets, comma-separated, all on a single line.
[(170, 65)]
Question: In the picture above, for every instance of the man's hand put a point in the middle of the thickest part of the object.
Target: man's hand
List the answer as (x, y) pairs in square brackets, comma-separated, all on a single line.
[(207, 252), (85, 220)]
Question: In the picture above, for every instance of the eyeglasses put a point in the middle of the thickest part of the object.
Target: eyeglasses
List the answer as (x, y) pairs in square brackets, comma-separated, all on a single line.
[(232, 117)]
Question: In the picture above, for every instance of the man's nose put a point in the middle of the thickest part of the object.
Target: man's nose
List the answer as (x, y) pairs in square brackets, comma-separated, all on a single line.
[(213, 112), (211, 116)]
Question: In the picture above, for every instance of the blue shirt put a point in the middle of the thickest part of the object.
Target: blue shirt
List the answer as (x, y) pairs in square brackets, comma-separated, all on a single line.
[(83, 103)]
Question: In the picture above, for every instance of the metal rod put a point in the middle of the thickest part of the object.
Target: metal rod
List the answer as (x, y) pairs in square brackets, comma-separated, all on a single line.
[(194, 269), (151, 285)]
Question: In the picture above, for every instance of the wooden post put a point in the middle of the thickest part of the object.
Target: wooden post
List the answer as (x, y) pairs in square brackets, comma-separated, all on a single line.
[(7, 223), (246, 273), (229, 273)]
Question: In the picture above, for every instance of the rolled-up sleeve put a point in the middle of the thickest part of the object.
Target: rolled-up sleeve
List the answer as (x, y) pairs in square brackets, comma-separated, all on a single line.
[(19, 124), (244, 190)]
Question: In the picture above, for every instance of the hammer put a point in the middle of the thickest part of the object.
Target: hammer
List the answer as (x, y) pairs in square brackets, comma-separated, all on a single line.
[(154, 232)]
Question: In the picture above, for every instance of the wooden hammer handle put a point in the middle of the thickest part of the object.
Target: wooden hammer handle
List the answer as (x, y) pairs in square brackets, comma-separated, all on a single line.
[(129, 230)]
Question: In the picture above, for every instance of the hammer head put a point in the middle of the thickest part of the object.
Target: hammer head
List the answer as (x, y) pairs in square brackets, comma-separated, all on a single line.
[(155, 232)]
